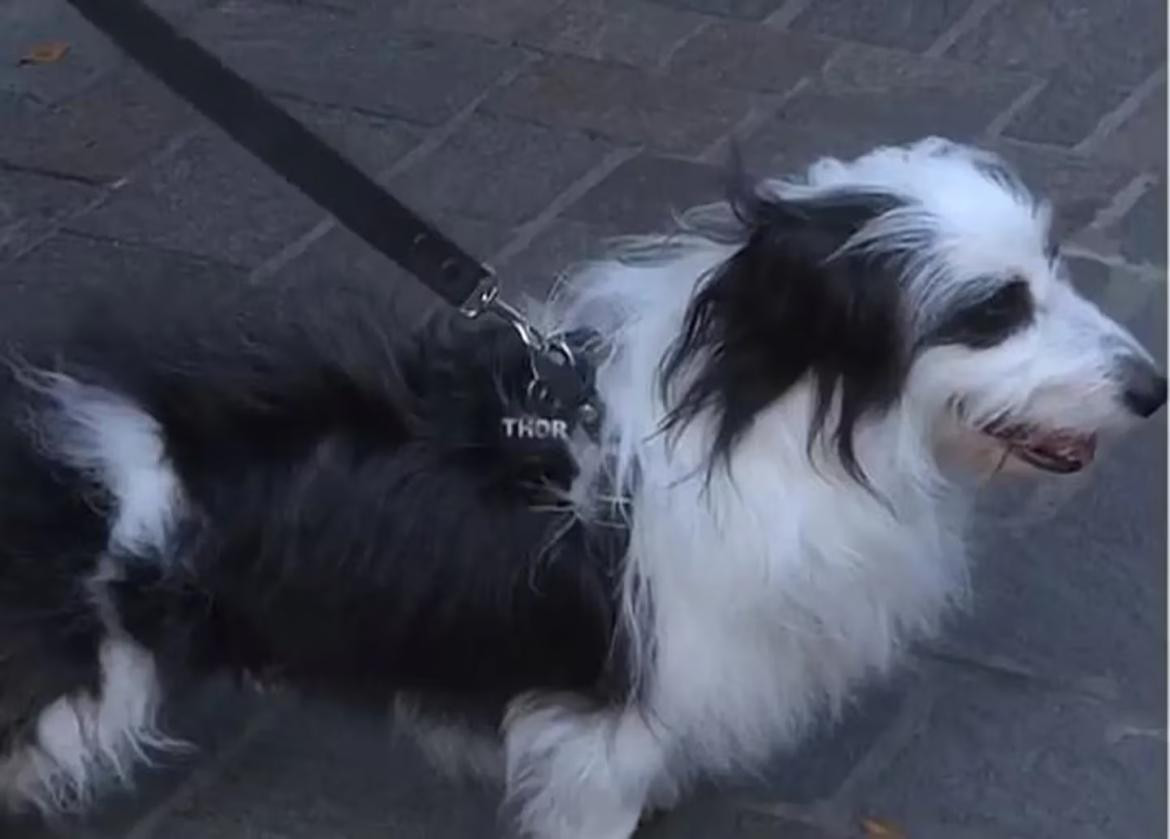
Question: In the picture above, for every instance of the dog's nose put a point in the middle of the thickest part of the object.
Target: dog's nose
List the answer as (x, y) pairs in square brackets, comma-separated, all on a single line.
[(1144, 387)]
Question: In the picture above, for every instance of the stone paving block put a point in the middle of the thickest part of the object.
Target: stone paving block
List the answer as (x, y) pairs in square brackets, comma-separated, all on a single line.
[(1091, 57), (885, 23), (39, 289), (326, 772), (1066, 110), (747, 9), (99, 136), (750, 56), (499, 19), (359, 61), (500, 169), (868, 96), (622, 103), (635, 32), (1140, 141), (817, 768), (1143, 229), (1077, 187), (1005, 761), (25, 24), (31, 205), (211, 199), (646, 193), (716, 818)]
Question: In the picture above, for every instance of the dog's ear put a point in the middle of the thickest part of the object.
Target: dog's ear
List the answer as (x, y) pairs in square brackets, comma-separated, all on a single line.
[(791, 305)]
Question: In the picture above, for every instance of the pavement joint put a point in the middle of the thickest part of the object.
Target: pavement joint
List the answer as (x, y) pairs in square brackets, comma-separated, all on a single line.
[(1003, 119), (1129, 106), (789, 11), (966, 22), (104, 194), (528, 231)]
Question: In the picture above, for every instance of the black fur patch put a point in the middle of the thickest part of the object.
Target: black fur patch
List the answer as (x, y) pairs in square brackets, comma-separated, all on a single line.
[(787, 307), (356, 525), (988, 321)]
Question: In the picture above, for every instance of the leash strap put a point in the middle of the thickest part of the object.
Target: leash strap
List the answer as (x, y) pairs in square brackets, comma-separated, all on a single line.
[(290, 149)]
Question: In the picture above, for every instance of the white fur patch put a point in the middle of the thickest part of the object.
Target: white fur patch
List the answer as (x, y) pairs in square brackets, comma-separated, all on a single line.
[(575, 772), (110, 438), (82, 742)]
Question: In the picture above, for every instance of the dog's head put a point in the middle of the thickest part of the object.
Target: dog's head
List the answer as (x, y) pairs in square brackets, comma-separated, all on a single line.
[(918, 279)]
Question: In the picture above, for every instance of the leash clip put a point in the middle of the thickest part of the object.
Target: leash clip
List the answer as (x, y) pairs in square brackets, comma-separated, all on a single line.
[(559, 380)]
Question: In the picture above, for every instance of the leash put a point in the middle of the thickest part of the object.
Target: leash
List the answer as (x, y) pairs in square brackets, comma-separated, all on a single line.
[(561, 381)]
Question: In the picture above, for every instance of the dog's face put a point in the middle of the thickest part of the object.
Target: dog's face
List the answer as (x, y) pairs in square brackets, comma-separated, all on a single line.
[(1021, 369), (920, 280)]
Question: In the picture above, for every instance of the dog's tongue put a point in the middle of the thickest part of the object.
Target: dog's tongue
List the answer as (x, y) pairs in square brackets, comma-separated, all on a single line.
[(1055, 451)]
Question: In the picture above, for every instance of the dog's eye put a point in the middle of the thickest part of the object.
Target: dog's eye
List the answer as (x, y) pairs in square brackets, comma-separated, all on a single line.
[(990, 320)]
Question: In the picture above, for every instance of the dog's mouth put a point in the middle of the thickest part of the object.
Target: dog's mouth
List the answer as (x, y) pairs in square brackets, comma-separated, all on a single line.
[(1053, 450)]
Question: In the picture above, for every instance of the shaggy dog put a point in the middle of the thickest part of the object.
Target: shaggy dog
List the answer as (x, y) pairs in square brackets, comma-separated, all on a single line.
[(800, 388)]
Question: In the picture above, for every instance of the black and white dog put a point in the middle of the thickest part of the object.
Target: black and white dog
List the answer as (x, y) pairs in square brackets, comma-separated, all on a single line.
[(801, 389)]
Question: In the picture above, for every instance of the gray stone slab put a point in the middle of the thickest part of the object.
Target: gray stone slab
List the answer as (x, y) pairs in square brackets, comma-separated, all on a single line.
[(38, 289), (998, 759), (354, 60), (1139, 141), (750, 56), (626, 31), (499, 19), (32, 205), (500, 169), (1066, 110), (1092, 53), (1078, 187), (325, 772), (99, 136), (869, 96), (646, 193), (747, 9), (26, 24), (885, 23), (211, 199), (1142, 230), (622, 103), (715, 818)]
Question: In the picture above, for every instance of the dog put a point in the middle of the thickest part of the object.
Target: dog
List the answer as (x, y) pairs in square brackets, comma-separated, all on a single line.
[(802, 387)]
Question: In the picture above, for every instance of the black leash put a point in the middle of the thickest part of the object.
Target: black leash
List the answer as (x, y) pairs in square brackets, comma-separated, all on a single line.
[(562, 383)]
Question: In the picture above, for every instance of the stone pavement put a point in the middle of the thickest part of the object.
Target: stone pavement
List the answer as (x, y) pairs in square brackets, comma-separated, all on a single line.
[(530, 130)]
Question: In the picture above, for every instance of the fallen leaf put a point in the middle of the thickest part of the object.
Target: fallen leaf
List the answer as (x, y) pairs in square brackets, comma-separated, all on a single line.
[(46, 53), (875, 829)]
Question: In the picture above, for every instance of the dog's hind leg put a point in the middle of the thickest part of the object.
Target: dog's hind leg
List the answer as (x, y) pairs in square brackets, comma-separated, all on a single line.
[(81, 741), (576, 771)]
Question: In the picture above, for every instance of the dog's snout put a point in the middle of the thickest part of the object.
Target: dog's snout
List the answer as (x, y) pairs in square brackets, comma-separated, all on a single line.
[(1143, 386)]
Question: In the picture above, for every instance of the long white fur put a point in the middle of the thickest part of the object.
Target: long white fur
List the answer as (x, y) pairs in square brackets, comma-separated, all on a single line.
[(83, 742), (780, 584)]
